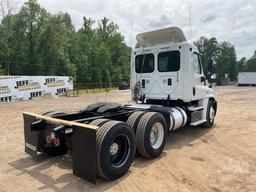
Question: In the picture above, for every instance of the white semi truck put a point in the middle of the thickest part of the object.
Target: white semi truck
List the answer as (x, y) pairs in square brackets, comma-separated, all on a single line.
[(169, 90)]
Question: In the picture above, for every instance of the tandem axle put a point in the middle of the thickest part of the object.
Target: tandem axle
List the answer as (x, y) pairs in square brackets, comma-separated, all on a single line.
[(102, 137)]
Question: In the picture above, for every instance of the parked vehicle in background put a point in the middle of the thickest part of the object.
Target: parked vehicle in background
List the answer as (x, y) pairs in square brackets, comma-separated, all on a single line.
[(123, 86), (246, 78)]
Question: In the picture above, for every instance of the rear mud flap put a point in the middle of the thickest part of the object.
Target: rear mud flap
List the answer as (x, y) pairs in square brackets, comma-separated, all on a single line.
[(83, 150), (31, 137), (84, 153)]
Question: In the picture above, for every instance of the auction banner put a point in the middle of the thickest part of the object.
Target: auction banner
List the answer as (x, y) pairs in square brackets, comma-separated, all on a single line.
[(19, 88)]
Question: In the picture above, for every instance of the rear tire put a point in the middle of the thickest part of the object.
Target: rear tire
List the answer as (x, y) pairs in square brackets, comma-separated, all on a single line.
[(151, 135), (134, 119), (115, 149), (99, 122)]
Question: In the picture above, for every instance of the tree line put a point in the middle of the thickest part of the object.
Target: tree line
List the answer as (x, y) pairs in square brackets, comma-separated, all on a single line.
[(224, 57), (35, 42)]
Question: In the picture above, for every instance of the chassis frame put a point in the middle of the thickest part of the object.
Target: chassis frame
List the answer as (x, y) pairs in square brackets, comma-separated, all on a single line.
[(82, 134)]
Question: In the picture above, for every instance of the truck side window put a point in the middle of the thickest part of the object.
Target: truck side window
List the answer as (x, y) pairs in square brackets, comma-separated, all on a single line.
[(169, 61), (144, 63), (196, 63)]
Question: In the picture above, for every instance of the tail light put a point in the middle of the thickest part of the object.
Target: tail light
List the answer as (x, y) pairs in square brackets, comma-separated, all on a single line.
[(48, 139), (56, 141)]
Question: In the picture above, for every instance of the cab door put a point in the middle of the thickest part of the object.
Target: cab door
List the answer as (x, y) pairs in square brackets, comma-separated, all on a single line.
[(168, 68), (198, 79)]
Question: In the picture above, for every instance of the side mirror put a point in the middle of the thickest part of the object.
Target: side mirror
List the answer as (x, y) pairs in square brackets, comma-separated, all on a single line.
[(209, 70)]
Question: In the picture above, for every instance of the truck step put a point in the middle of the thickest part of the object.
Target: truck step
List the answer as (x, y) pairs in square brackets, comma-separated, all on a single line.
[(192, 108), (197, 122)]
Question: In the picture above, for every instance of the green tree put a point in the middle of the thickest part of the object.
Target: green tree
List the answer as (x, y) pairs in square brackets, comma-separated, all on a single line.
[(223, 53), (55, 45), (106, 29), (84, 50), (250, 65), (35, 42), (208, 48), (18, 60), (34, 18), (103, 65), (226, 61), (6, 12), (241, 64), (4, 52), (120, 54)]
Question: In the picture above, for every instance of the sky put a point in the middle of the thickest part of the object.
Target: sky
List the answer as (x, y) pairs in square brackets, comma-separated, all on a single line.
[(227, 20)]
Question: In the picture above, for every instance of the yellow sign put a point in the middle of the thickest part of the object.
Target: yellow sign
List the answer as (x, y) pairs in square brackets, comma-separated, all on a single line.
[(4, 89), (56, 83)]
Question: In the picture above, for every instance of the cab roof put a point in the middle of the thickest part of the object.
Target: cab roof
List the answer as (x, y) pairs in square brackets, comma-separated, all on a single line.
[(161, 37)]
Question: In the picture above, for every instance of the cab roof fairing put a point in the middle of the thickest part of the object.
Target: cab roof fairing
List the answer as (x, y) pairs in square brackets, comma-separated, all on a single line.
[(160, 37), (144, 50)]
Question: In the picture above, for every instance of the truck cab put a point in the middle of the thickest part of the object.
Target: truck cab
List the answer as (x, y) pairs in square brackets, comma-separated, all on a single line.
[(166, 68), (167, 64)]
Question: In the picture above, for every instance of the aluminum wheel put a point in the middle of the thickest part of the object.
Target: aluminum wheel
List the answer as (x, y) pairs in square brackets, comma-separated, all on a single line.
[(157, 135)]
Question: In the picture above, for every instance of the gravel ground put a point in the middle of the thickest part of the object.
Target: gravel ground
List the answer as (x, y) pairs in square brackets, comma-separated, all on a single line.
[(222, 158)]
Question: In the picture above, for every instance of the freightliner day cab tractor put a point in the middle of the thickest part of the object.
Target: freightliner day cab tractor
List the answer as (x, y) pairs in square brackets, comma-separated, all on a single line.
[(169, 90)]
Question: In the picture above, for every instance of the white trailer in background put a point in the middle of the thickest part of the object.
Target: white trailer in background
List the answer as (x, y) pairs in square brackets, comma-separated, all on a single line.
[(246, 78)]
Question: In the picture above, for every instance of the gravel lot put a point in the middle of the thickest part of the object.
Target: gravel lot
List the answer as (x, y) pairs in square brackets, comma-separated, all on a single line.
[(195, 159)]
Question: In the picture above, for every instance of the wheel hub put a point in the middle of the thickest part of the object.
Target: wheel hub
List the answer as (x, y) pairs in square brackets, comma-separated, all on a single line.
[(156, 135), (119, 150), (114, 148), (153, 136)]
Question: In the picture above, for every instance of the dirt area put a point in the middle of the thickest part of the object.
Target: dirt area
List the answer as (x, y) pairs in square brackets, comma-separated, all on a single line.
[(195, 159)]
